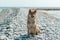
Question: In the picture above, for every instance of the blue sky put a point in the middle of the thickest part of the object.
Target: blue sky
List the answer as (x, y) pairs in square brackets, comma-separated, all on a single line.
[(29, 3)]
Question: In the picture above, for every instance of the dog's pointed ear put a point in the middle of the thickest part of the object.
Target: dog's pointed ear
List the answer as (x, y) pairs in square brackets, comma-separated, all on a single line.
[(29, 10), (35, 11)]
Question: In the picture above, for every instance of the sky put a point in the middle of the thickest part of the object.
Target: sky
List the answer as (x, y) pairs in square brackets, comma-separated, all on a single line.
[(29, 3)]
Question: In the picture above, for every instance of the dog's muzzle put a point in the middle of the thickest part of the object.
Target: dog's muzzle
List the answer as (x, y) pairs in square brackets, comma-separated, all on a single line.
[(32, 16)]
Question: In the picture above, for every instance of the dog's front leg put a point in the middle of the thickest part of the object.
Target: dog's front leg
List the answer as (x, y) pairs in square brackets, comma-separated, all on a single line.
[(34, 31), (28, 32)]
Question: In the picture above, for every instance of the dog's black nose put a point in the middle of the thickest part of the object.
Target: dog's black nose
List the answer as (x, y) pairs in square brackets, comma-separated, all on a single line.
[(32, 16)]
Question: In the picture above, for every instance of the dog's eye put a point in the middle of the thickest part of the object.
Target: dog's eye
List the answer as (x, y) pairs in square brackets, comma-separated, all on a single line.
[(32, 16)]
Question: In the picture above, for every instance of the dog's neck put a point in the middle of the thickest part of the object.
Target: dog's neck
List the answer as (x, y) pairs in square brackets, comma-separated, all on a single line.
[(31, 22)]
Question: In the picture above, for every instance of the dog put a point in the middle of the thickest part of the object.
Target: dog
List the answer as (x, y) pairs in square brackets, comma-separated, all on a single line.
[(31, 23)]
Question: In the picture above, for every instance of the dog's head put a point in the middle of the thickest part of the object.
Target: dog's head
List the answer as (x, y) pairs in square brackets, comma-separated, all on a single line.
[(32, 13)]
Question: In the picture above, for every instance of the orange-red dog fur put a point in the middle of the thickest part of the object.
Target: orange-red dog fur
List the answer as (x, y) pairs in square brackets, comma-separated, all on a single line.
[(31, 23)]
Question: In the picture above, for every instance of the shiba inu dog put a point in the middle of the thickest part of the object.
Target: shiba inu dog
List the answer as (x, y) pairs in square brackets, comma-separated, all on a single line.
[(31, 23)]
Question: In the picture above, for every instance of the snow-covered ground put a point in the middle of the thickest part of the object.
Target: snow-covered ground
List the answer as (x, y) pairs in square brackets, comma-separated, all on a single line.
[(13, 25)]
